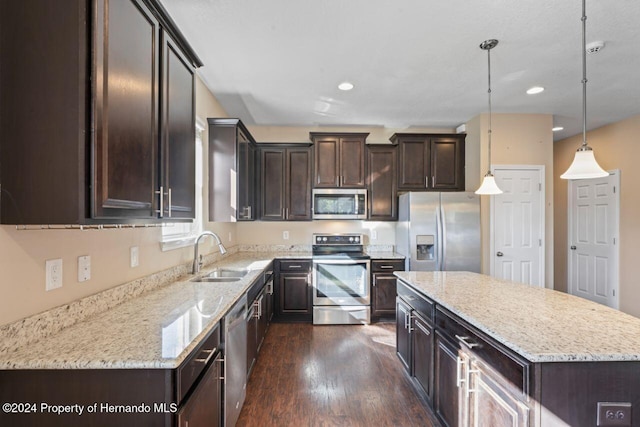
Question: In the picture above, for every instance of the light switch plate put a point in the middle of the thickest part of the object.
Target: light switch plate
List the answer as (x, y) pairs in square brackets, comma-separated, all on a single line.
[(84, 268), (134, 259), (374, 235), (53, 274), (285, 235)]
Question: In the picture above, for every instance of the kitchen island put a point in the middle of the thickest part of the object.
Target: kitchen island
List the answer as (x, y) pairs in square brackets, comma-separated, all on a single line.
[(486, 350)]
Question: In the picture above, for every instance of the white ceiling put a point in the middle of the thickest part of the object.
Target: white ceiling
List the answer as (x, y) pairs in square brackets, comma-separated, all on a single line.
[(414, 63)]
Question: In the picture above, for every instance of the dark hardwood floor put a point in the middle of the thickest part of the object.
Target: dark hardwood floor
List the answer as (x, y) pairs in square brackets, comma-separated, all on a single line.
[(331, 376)]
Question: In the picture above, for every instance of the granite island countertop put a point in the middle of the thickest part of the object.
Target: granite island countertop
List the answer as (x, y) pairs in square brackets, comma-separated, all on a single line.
[(157, 329), (542, 325)]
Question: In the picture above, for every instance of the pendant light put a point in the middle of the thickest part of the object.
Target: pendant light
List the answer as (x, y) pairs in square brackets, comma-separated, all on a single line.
[(584, 164), (489, 186)]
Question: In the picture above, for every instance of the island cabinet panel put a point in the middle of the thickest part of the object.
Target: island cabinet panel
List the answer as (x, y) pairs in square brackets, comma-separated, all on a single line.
[(569, 392), (446, 381), (415, 337), (114, 140), (285, 182), (339, 159), (381, 182), (430, 161), (422, 353), (293, 291)]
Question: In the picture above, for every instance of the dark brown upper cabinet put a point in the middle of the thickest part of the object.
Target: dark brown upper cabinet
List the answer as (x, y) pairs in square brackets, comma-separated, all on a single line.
[(285, 182), (430, 161), (381, 182), (106, 134), (232, 171), (339, 159)]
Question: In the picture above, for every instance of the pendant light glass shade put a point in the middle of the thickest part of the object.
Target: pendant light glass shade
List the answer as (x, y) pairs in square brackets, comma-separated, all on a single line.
[(489, 186), (584, 164)]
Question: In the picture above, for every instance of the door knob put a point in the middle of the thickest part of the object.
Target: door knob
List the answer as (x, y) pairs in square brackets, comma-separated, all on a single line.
[(499, 254), (573, 248)]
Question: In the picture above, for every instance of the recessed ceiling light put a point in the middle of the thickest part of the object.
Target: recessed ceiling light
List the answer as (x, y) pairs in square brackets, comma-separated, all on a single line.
[(557, 128), (345, 86), (534, 90)]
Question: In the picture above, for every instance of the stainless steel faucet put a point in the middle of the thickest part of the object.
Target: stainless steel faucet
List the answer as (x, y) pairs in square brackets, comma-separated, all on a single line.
[(197, 263)]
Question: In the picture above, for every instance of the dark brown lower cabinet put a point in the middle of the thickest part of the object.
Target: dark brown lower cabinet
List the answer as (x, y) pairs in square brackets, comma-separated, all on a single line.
[(487, 400), (252, 334), (383, 287), (294, 295), (445, 399), (403, 336), (204, 406), (422, 362)]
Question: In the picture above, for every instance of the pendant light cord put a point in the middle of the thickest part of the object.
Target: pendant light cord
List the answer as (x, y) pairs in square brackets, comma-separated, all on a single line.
[(489, 94), (584, 73)]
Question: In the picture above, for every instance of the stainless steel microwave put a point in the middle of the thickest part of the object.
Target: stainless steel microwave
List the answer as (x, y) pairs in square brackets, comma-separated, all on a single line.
[(339, 203)]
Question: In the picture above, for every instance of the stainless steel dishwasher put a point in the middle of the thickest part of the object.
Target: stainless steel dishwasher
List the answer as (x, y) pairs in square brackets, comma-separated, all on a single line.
[(235, 361)]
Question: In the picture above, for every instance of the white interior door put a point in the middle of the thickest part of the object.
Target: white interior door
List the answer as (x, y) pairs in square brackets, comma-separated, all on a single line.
[(593, 238), (517, 224)]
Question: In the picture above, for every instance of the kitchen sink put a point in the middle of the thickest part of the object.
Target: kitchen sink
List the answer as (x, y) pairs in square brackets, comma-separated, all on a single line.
[(222, 275), (216, 279)]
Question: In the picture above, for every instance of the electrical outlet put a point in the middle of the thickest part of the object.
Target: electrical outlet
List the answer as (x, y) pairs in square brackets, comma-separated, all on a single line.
[(134, 259), (374, 235), (53, 273), (614, 414), (285, 235), (84, 268)]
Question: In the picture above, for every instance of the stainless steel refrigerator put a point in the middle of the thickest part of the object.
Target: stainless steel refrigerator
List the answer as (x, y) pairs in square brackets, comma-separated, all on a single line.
[(439, 231)]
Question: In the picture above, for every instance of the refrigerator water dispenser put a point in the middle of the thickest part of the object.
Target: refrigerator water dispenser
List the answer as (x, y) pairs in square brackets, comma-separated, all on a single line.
[(425, 247)]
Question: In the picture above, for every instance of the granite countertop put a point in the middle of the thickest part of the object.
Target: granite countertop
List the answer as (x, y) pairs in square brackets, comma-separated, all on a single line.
[(384, 255), (155, 330), (540, 324)]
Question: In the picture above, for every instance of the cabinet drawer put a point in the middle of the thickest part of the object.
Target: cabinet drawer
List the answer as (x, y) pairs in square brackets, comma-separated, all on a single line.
[(192, 367), (293, 266), (387, 265), (512, 367), (419, 303)]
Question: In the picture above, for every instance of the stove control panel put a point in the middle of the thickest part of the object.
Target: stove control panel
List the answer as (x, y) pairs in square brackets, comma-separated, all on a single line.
[(338, 239)]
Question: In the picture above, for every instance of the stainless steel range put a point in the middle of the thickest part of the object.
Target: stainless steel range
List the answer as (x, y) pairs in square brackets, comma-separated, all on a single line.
[(341, 289)]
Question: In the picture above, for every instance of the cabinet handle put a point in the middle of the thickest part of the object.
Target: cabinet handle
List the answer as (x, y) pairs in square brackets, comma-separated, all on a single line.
[(249, 212), (211, 353), (169, 197), (161, 197), (295, 266), (459, 363), (426, 182), (375, 279), (386, 266), (287, 213), (467, 344), (468, 389), (433, 181)]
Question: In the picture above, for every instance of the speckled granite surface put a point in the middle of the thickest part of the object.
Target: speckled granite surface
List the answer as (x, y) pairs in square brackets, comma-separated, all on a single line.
[(540, 324), (133, 329)]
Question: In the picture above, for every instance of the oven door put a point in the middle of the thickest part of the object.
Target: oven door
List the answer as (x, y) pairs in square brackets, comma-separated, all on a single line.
[(341, 282)]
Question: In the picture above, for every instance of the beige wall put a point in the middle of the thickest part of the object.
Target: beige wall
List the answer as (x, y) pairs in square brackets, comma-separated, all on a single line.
[(616, 146), (23, 254), (517, 139)]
